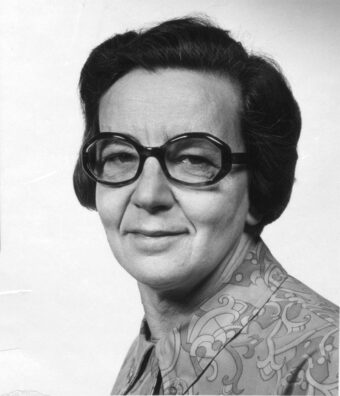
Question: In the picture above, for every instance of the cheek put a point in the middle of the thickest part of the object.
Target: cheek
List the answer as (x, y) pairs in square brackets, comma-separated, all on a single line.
[(214, 210), (110, 206)]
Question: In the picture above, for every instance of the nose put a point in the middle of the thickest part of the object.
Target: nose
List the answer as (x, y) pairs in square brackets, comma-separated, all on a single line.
[(152, 192)]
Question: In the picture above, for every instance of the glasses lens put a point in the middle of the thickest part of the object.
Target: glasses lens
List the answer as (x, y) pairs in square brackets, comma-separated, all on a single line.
[(193, 160), (113, 160)]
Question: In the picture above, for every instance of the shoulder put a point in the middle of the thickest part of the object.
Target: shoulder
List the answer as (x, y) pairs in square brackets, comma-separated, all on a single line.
[(300, 301), (290, 346), (285, 343), (299, 340)]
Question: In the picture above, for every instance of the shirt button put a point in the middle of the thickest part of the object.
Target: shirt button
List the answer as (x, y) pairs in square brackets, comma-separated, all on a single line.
[(172, 390)]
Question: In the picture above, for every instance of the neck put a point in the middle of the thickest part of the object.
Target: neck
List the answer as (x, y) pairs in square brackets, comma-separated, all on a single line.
[(164, 310)]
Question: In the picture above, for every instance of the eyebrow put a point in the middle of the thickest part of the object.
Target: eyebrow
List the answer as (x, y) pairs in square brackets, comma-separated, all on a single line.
[(133, 137)]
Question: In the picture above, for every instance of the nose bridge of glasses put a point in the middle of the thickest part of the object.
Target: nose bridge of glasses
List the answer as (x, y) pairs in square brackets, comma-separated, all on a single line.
[(157, 153), (151, 151), (155, 171), (146, 152)]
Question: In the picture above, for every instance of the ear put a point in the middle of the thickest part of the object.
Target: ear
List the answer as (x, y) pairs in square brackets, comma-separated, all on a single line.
[(252, 220)]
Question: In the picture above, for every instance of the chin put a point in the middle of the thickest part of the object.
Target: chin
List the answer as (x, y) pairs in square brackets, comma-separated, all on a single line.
[(161, 275)]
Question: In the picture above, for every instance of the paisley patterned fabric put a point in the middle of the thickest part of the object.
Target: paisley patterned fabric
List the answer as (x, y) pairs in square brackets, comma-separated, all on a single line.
[(263, 332)]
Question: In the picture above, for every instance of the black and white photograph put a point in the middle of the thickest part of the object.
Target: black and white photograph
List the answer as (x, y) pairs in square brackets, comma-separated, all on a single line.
[(169, 197)]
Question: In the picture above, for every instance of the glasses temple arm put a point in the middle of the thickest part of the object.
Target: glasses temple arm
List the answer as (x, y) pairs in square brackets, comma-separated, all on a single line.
[(239, 158)]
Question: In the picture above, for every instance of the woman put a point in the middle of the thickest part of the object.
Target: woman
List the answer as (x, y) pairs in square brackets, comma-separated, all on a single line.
[(189, 152)]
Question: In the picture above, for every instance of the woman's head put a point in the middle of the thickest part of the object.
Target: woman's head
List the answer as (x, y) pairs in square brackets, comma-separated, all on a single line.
[(166, 234), (268, 115)]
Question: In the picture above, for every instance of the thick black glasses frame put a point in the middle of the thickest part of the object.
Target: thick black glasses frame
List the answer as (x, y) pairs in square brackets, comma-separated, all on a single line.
[(228, 158)]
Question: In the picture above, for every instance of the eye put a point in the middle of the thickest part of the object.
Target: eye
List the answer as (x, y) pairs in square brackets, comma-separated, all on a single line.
[(194, 160), (122, 157)]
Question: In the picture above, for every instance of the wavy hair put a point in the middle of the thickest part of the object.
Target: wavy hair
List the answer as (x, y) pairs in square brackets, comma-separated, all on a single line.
[(270, 117)]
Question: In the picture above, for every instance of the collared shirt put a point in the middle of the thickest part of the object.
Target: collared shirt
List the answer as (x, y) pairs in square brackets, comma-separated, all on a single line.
[(263, 332)]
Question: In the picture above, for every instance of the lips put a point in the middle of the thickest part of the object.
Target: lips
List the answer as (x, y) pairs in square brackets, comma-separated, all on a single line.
[(157, 233), (158, 241)]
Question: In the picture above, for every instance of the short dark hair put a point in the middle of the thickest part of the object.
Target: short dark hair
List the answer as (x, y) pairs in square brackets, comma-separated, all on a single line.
[(270, 117)]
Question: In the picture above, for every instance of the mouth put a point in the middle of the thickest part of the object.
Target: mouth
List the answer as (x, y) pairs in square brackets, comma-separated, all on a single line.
[(156, 233), (148, 241)]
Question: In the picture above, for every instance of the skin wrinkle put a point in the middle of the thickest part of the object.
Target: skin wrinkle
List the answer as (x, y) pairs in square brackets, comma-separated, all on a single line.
[(174, 279), (192, 301), (215, 110), (127, 201), (182, 307)]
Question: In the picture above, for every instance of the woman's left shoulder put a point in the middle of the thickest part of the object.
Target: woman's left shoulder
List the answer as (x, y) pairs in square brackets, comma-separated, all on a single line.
[(301, 301)]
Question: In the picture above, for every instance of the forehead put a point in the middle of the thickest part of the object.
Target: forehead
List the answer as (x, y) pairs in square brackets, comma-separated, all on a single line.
[(155, 106)]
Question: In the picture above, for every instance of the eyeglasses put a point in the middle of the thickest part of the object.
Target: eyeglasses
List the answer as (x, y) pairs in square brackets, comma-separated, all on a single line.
[(192, 159)]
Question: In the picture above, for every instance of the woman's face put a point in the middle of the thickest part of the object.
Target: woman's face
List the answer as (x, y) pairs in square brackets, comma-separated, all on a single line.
[(169, 236)]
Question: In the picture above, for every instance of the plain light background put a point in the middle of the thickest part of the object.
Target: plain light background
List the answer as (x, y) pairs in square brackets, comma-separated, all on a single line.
[(67, 311)]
